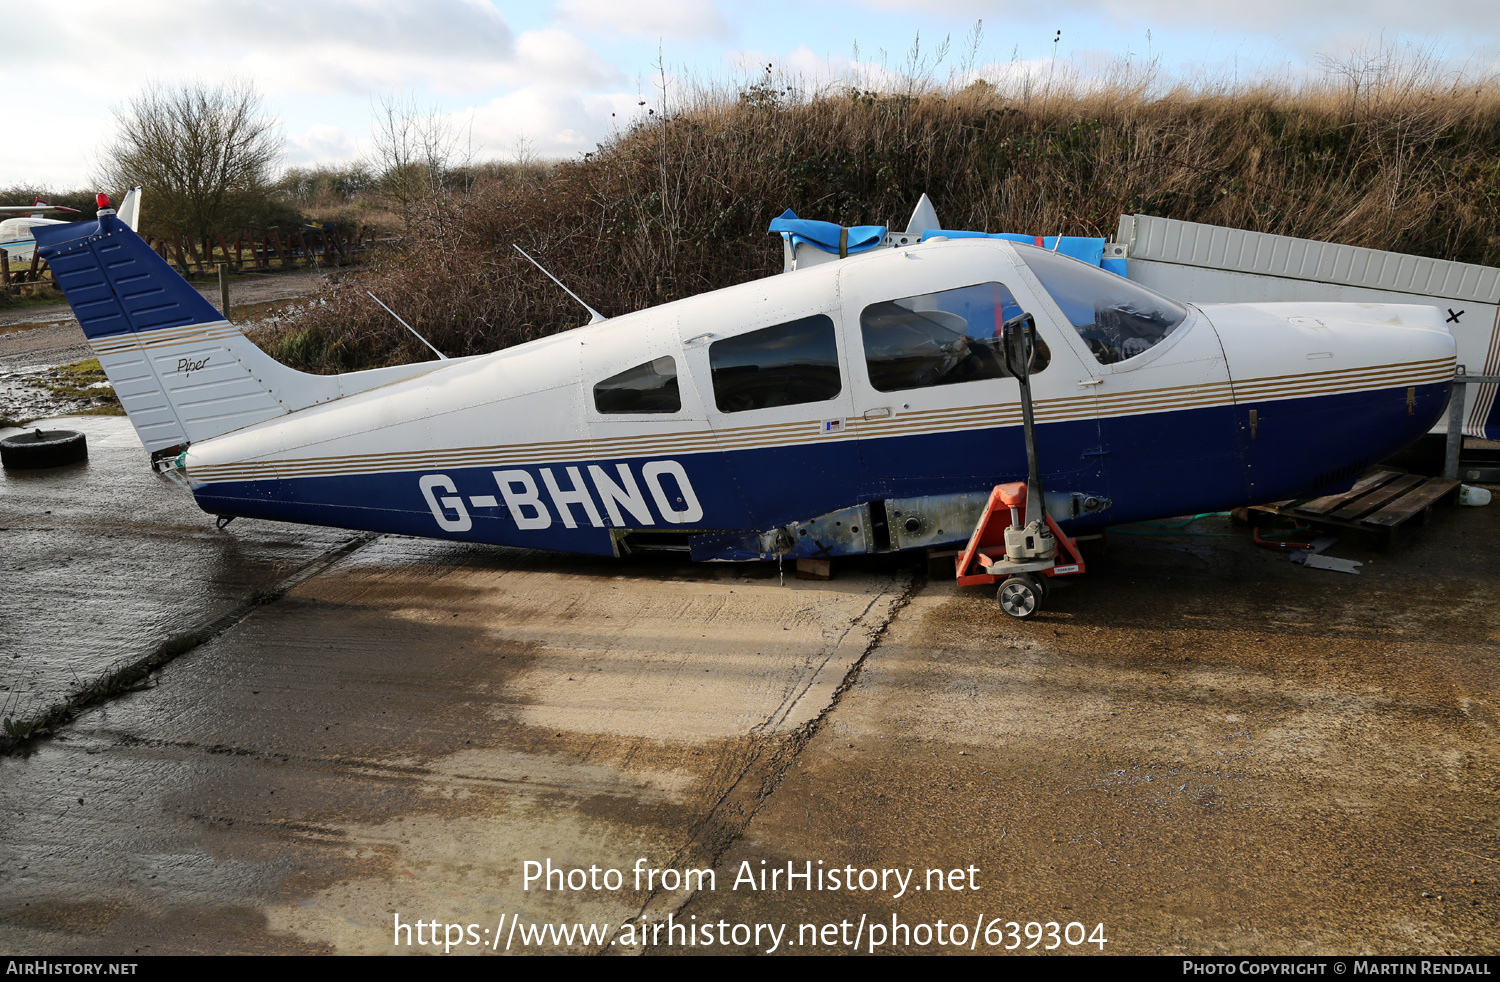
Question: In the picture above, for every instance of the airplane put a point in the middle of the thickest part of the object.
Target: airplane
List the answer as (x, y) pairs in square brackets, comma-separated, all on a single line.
[(15, 233), (858, 405)]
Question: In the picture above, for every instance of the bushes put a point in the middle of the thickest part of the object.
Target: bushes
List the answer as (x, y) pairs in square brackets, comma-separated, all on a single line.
[(679, 205)]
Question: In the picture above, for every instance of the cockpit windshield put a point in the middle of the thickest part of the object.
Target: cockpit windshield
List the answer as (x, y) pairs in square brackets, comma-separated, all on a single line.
[(1116, 318)]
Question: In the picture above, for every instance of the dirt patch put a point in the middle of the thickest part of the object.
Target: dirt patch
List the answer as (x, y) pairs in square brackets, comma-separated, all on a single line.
[(1229, 754)]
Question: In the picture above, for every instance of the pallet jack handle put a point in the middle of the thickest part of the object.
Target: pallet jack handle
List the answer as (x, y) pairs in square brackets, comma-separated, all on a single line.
[(1018, 343)]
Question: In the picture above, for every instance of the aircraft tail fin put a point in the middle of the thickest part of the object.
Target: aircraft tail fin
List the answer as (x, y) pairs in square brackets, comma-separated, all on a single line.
[(181, 371), (130, 209), (923, 217)]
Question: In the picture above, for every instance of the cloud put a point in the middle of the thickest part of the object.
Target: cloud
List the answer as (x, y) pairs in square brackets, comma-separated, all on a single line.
[(44, 162), (679, 20), (547, 121), (557, 57), (329, 45), (321, 144), (1293, 18)]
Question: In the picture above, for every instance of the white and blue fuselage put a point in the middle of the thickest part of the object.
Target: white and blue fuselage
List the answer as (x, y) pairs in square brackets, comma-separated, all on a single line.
[(855, 406)]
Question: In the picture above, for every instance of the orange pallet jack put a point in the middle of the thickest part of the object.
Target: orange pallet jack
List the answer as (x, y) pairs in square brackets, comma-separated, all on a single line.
[(1015, 541), (1024, 580)]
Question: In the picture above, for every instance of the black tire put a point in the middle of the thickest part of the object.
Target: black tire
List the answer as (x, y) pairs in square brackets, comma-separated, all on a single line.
[(1020, 596), (43, 448)]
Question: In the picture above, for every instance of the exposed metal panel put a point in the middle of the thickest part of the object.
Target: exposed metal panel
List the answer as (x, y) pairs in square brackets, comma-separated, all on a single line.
[(1189, 243)]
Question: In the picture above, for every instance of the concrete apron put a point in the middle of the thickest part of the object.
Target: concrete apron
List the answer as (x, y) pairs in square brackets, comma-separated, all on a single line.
[(103, 560), (1199, 745), (400, 734)]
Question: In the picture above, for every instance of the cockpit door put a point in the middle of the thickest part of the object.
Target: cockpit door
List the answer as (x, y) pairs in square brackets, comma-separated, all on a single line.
[(934, 405), (1168, 436)]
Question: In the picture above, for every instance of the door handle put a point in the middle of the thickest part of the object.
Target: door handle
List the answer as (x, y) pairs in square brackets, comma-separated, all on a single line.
[(1091, 381), (883, 412)]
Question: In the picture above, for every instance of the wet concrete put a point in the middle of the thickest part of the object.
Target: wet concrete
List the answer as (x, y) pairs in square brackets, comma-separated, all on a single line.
[(104, 560), (403, 732), (1198, 745)]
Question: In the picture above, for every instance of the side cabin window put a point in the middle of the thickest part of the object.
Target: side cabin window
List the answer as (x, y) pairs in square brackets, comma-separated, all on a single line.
[(648, 388), (940, 338), (785, 365), (1116, 318)]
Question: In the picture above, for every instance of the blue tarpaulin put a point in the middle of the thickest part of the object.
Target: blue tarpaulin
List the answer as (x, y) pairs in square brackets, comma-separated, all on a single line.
[(1077, 247), (826, 235)]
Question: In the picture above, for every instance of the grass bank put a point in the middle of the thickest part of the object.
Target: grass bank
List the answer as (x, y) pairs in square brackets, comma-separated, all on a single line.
[(1408, 161)]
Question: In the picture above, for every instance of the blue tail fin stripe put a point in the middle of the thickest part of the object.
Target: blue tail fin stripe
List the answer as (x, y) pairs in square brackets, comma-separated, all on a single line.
[(115, 282)]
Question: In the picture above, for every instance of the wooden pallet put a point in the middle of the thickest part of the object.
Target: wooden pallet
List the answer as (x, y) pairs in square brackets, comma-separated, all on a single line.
[(1385, 505)]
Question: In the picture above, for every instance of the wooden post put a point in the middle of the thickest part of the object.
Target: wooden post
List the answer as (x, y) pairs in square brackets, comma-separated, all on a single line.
[(239, 251), (276, 241), (4, 271), (36, 257), (307, 256), (181, 259), (224, 286), (223, 247), (193, 251)]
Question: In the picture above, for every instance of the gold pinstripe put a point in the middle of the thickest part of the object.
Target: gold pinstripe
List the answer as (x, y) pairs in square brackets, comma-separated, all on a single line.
[(162, 339), (801, 431)]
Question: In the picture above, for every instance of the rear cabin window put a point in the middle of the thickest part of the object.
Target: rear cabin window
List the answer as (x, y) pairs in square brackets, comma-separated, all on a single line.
[(785, 365), (1116, 318), (648, 388), (940, 338)]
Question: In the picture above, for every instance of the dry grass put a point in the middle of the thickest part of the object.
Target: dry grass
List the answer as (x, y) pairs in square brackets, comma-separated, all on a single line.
[(1394, 157)]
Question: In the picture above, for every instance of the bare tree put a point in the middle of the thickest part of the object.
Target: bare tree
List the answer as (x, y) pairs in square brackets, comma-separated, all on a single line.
[(204, 153), (417, 156)]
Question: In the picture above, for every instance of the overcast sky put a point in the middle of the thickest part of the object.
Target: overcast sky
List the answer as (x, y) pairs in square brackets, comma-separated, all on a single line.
[(545, 78)]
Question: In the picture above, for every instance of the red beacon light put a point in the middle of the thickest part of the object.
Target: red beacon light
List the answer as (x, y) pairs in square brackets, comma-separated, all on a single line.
[(102, 200)]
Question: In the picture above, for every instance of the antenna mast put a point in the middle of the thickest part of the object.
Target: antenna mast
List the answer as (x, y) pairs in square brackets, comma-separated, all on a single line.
[(408, 326), (595, 316)]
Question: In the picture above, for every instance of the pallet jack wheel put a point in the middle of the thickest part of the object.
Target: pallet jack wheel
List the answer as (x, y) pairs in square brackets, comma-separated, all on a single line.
[(1020, 596), (43, 448)]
